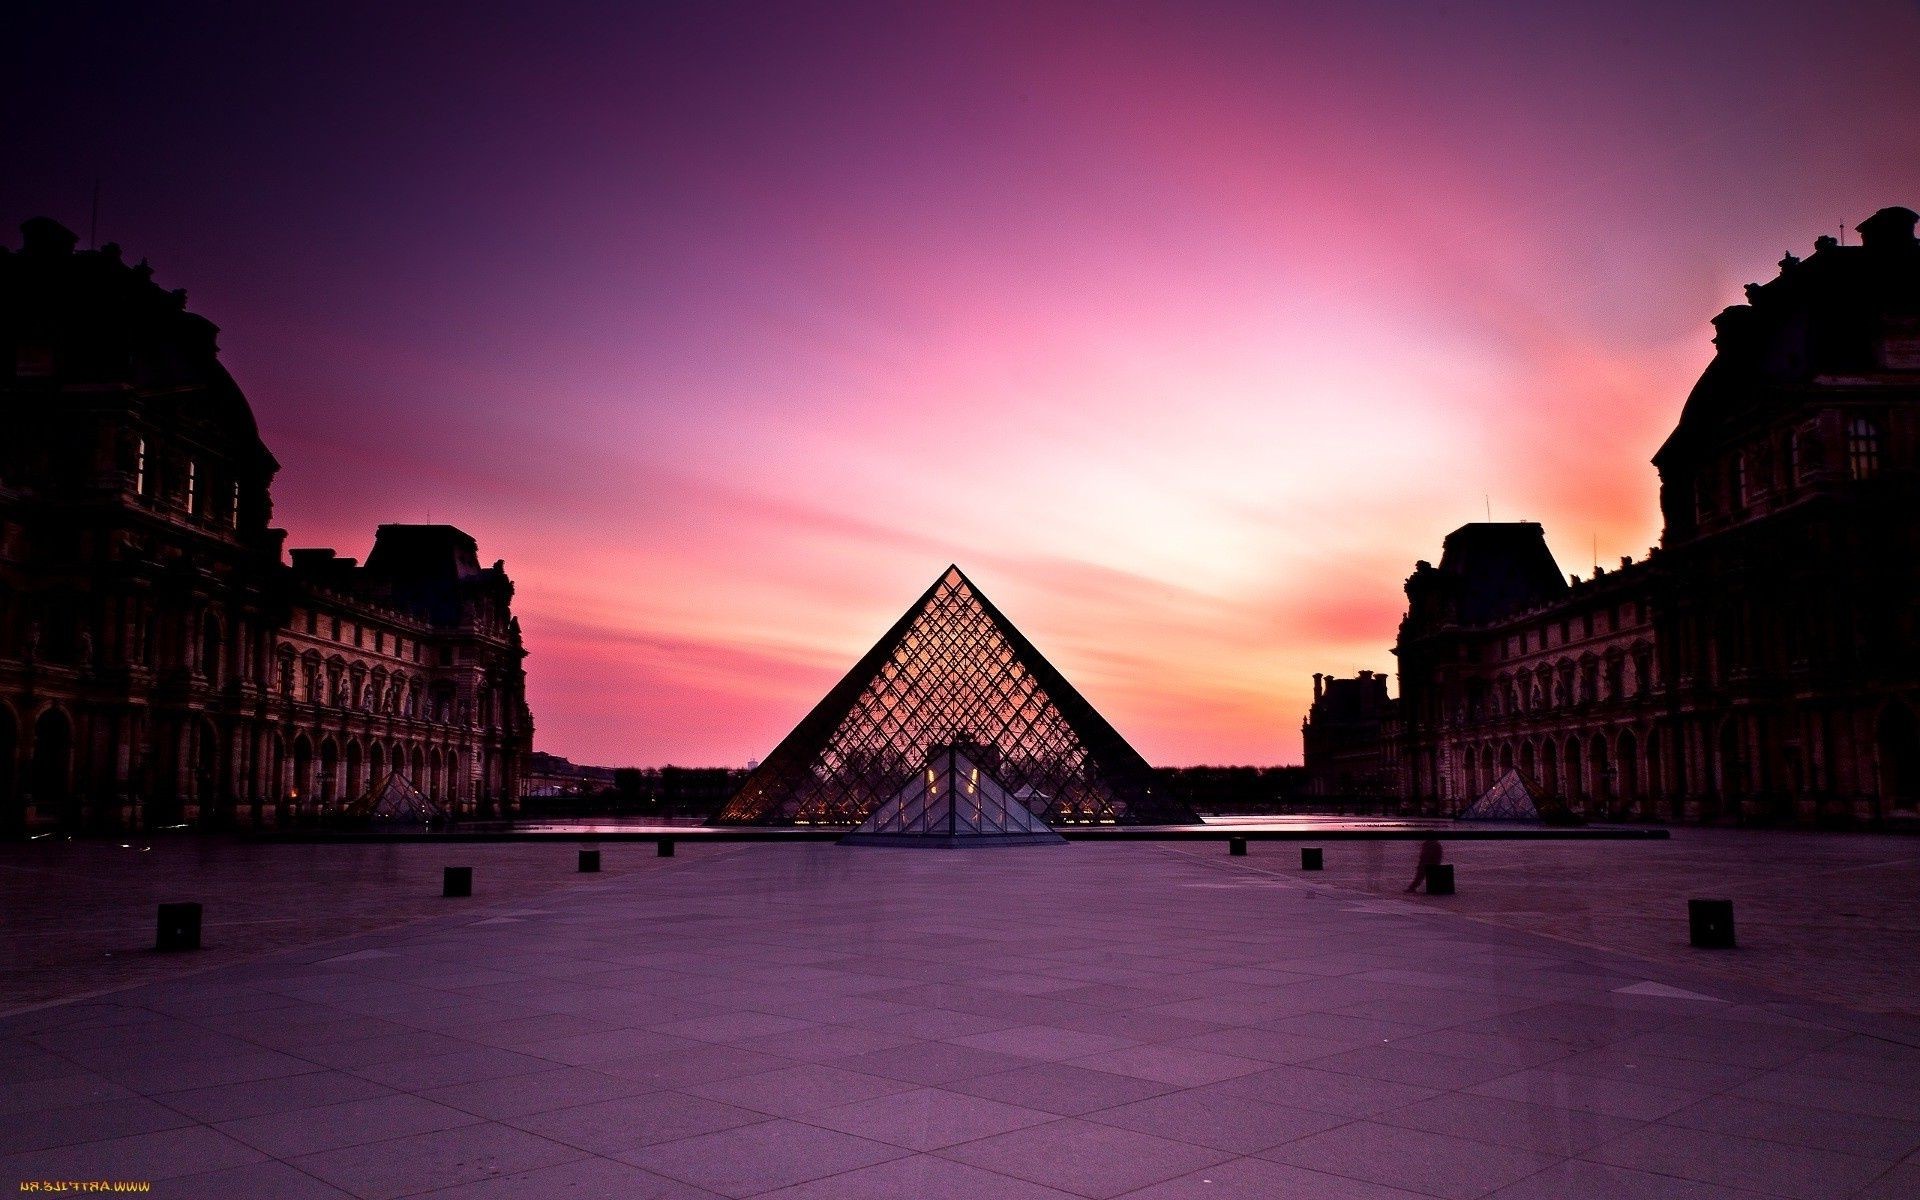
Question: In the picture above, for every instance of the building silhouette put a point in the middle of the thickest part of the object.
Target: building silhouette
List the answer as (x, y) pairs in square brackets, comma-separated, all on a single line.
[(161, 662), (1763, 663), (1348, 738)]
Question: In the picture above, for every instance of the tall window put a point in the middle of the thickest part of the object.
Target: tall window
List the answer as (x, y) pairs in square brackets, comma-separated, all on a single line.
[(1738, 493), (233, 506), (193, 486), (1863, 448), (140, 466)]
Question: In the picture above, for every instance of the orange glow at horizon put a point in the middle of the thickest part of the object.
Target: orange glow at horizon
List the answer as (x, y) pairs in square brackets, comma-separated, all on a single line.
[(1184, 330)]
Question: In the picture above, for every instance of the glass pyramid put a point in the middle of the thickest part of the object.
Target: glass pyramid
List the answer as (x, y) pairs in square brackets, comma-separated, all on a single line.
[(953, 672), (395, 799), (952, 801), (1509, 799)]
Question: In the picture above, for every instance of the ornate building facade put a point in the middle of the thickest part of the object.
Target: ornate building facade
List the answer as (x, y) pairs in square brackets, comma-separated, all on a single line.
[(1763, 663), (161, 661)]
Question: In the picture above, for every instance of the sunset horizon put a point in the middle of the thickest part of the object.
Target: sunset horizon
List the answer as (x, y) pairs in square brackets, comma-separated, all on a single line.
[(1186, 338)]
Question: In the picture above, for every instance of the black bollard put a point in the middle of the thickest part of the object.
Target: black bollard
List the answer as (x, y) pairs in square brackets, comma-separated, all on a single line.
[(1711, 923), (179, 927), (1311, 858), (459, 881), (589, 861), (666, 847), (1440, 879), (1237, 846)]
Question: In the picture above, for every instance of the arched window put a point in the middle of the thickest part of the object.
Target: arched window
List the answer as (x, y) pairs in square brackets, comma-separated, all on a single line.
[(210, 649), (1863, 448), (329, 773), (1629, 766)]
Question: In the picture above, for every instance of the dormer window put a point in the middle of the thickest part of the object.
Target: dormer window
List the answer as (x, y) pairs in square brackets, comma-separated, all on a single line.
[(1863, 448)]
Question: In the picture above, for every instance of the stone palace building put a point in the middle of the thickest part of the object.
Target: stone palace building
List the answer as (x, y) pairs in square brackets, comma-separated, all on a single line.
[(1763, 663), (161, 661)]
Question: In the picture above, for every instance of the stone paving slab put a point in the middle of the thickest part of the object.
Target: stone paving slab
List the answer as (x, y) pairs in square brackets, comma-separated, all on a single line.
[(1087, 1021)]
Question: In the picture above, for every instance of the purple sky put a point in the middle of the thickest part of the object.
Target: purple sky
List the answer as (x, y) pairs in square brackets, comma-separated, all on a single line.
[(1184, 328)]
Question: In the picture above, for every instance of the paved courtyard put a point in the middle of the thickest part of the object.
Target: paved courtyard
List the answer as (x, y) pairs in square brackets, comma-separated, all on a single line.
[(1088, 1021), (1826, 916)]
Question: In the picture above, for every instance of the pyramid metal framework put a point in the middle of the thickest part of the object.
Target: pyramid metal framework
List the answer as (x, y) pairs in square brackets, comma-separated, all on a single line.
[(953, 801), (953, 671), (1509, 799)]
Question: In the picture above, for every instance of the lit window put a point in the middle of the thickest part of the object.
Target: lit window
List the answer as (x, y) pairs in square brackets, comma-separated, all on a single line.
[(193, 486), (233, 506), (140, 466), (1863, 448)]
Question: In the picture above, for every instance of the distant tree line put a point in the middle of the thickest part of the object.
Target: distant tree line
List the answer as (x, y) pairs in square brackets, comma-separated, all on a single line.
[(646, 792), (1236, 789)]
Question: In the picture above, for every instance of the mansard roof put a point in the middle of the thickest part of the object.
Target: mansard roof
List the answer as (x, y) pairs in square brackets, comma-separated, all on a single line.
[(90, 320), (1832, 313), (431, 571), (1492, 569)]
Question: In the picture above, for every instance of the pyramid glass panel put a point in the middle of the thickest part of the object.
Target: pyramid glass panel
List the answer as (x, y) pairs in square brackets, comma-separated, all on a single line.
[(952, 801), (395, 800), (1509, 799), (953, 672)]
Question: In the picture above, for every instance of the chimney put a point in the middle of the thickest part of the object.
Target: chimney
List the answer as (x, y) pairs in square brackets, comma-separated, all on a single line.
[(1317, 677)]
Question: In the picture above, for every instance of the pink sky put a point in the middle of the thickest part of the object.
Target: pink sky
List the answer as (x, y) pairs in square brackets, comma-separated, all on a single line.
[(1184, 330)]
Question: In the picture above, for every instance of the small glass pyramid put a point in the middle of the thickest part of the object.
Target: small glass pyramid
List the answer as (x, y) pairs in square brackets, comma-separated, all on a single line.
[(1509, 799), (954, 673), (953, 801), (394, 800)]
